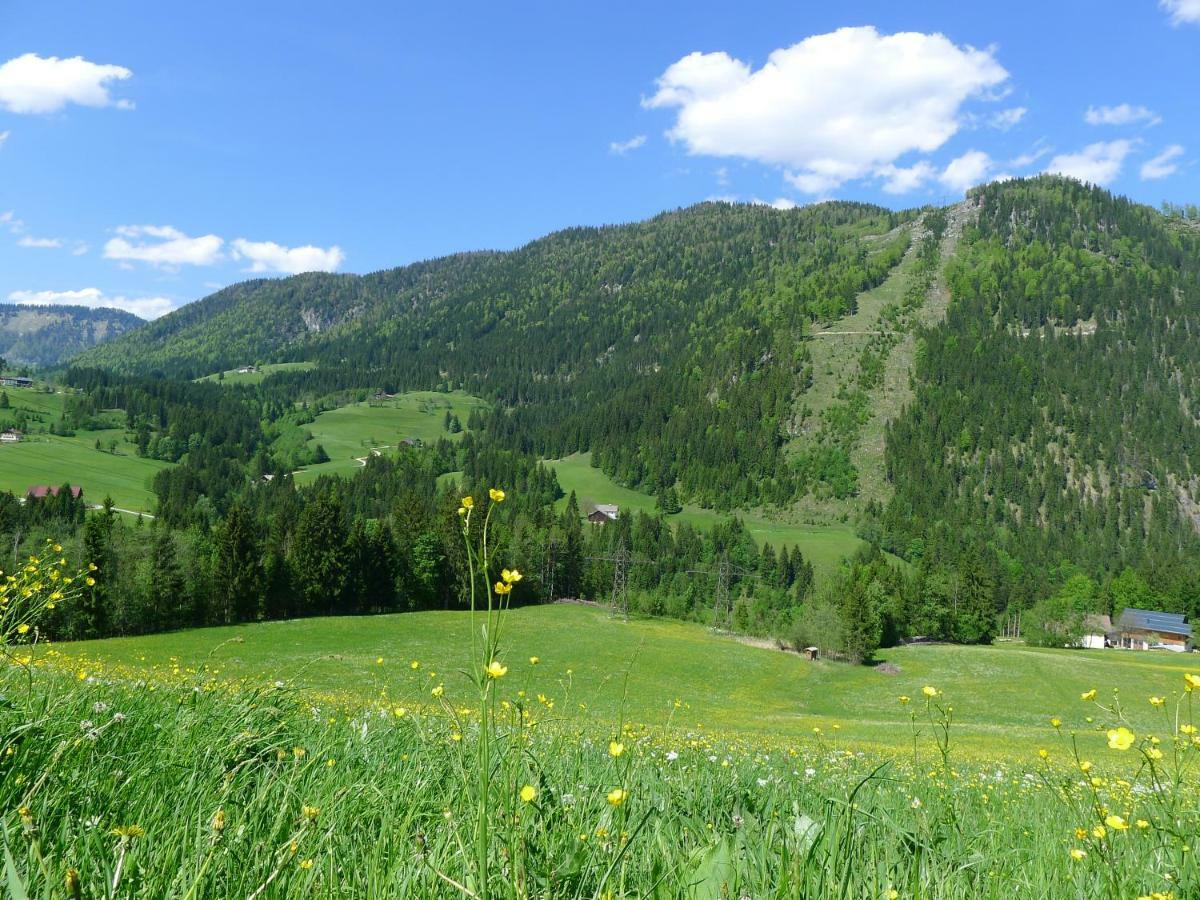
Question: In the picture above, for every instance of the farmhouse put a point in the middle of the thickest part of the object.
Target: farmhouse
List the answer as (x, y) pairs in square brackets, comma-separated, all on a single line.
[(247, 370), (16, 381), (1143, 629), (41, 491), (1096, 631), (11, 436), (603, 513)]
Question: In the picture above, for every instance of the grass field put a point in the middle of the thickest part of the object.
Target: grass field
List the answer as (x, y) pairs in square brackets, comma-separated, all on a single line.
[(388, 758), (349, 432), (1004, 695), (234, 377), (824, 545), (50, 459)]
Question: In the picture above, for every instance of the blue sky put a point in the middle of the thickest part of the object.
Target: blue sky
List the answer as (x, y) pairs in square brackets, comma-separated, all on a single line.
[(152, 153)]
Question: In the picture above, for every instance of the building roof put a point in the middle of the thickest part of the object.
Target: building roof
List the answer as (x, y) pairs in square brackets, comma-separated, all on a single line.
[(1149, 620), (46, 490), (1097, 624), (609, 509)]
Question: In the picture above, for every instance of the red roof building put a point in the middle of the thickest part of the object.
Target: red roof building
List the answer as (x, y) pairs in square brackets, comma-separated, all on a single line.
[(45, 490)]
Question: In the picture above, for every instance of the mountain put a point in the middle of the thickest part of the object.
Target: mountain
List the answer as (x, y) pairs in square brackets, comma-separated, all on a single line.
[(1010, 382), (47, 336), (673, 348)]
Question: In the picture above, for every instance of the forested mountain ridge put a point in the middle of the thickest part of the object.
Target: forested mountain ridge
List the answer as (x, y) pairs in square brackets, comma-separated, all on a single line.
[(48, 335), (672, 348), (1054, 415)]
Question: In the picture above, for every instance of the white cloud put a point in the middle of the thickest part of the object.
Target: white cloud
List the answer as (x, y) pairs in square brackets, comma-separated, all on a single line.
[(4, 135), (1123, 114), (29, 241), (267, 256), (1097, 163), (94, 298), (33, 84), (622, 147), (79, 249), (1028, 159), (171, 248), (1162, 165), (903, 180), (966, 171), (1182, 11), (10, 221), (780, 203), (1007, 118), (831, 108)]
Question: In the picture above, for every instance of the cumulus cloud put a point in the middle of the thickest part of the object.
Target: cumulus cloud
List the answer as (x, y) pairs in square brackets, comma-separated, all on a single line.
[(966, 171), (831, 108), (1097, 163), (35, 84), (169, 246), (1182, 11), (904, 180), (267, 256), (1123, 114), (29, 241), (1162, 165), (622, 147), (94, 298)]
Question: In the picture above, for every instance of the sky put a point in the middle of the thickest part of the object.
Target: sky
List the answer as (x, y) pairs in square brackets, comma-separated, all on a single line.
[(153, 153)]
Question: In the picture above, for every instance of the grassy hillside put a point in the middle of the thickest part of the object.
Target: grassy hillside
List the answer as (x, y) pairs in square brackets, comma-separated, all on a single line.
[(44, 458), (1003, 695), (823, 545), (234, 377), (349, 433)]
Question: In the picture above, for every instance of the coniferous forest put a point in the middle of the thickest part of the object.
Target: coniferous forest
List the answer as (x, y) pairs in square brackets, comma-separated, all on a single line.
[(1048, 452)]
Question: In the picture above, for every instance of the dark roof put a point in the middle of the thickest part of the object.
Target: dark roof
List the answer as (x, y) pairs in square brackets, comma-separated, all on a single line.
[(45, 490), (1148, 620)]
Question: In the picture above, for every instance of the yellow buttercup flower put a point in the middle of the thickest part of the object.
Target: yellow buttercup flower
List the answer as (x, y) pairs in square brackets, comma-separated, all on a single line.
[(306, 864), (1191, 682), (1077, 853), (617, 796), (511, 576), (903, 699), (1120, 738), (1157, 701), (502, 588), (615, 748), (528, 793), (1153, 753), (399, 712), (496, 670), (1115, 822), (496, 494), (468, 502), (1187, 729), (23, 628), (929, 691), (1088, 695), (533, 660), (1056, 722)]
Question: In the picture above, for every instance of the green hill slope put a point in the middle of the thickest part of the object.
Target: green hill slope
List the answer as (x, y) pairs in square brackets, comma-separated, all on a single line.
[(601, 669)]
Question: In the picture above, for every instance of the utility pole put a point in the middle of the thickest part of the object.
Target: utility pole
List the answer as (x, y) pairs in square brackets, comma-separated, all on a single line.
[(620, 588), (722, 611), (549, 564)]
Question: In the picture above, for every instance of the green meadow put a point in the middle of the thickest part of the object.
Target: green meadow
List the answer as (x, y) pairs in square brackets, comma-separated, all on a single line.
[(349, 433), (824, 545), (233, 377), (600, 668), (43, 458)]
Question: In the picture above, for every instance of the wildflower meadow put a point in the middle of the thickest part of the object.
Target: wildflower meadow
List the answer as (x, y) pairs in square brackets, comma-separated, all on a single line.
[(482, 781)]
